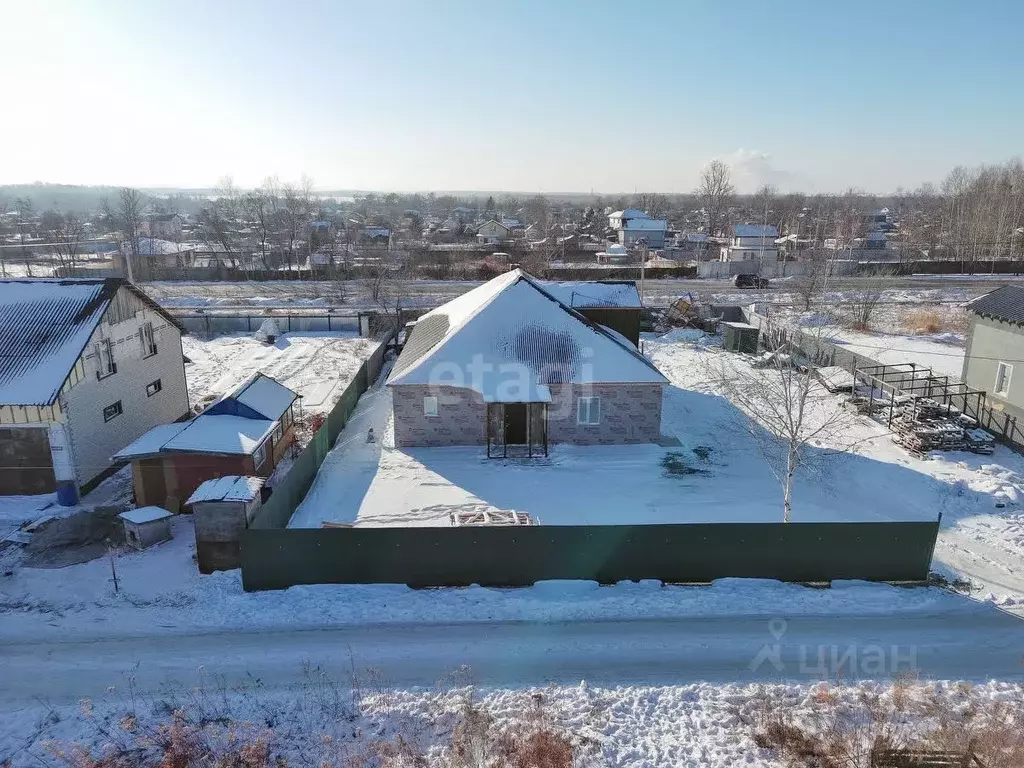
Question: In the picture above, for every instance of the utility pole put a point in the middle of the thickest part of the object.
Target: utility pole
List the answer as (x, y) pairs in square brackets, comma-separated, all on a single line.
[(642, 243)]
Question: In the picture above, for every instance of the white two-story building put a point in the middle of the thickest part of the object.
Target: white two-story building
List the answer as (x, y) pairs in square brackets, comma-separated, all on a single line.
[(752, 242), (86, 366)]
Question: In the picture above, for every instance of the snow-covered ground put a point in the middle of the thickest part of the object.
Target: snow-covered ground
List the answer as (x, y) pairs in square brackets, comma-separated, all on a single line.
[(319, 366), (321, 722), (943, 352)]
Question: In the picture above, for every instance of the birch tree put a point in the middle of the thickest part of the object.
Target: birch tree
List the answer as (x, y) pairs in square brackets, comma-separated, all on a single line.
[(789, 415)]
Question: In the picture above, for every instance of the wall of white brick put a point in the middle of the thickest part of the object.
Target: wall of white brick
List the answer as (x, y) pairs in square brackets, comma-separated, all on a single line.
[(94, 441)]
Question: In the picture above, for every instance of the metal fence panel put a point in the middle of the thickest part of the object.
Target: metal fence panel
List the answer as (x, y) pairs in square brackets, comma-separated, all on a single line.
[(513, 556)]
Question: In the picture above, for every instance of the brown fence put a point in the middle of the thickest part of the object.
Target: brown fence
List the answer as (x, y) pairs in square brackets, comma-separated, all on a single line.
[(289, 492), (503, 556)]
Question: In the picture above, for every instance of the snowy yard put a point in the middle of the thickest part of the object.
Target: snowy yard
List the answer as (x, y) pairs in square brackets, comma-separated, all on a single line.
[(319, 366), (942, 352), (866, 477)]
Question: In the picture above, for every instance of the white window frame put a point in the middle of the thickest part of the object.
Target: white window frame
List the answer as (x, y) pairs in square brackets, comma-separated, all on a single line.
[(588, 411), (105, 365), (259, 456), (148, 340), (1004, 373), (430, 406)]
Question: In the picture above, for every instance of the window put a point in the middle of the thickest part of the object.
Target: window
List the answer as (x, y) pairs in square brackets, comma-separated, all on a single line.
[(153, 387), (260, 456), (588, 410), (148, 340), (287, 418), (277, 434), (1003, 374), (430, 406), (112, 411), (105, 365)]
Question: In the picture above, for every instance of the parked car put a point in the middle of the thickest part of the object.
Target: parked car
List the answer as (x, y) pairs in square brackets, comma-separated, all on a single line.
[(750, 281)]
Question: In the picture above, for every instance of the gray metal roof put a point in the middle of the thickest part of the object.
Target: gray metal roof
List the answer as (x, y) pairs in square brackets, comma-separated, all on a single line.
[(1006, 303), (45, 325)]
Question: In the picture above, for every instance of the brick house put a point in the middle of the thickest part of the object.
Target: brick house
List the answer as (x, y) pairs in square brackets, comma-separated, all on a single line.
[(510, 366), (245, 432), (85, 367)]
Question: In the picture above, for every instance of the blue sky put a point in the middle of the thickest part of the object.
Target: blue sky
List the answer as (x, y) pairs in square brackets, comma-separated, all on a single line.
[(527, 95)]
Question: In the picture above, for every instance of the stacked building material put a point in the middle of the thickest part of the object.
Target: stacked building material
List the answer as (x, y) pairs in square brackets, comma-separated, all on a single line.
[(926, 425)]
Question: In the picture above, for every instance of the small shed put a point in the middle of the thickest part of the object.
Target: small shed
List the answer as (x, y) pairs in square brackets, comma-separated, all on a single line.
[(741, 337), (223, 508), (146, 526)]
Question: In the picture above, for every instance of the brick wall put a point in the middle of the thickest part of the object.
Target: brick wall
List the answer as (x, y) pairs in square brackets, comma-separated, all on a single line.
[(461, 416), (630, 413)]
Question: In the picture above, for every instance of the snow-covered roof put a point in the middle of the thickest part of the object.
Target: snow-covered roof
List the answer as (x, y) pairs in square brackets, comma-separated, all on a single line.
[(206, 433), (227, 488), (221, 434), (581, 293), (154, 246), (755, 230), (512, 333), (647, 225), (149, 443), (268, 397), (145, 515), (629, 213), (44, 328)]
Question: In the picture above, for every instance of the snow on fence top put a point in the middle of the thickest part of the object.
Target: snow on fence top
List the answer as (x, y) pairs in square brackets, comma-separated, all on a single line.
[(509, 325)]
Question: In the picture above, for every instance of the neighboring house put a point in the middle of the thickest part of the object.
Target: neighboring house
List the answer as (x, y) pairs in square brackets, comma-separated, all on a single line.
[(374, 234), (615, 305), (995, 348), (152, 255), (696, 243), (619, 219), (493, 232), (509, 365), (85, 367), (752, 242), (162, 225), (652, 231), (872, 241), (615, 254), (245, 432)]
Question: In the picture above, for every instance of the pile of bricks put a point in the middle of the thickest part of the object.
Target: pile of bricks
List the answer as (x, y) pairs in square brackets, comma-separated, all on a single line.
[(926, 425)]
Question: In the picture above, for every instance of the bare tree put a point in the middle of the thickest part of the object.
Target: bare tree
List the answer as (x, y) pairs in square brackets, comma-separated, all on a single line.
[(789, 413), (865, 299), (261, 207), (67, 231), (25, 209), (295, 215), (810, 286), (129, 215), (714, 194), (654, 204)]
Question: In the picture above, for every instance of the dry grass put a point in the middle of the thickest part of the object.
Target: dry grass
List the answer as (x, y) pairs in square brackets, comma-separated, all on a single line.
[(854, 728), (926, 320), (324, 728)]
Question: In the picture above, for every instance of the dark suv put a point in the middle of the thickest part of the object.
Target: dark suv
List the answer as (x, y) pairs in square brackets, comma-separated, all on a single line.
[(750, 281)]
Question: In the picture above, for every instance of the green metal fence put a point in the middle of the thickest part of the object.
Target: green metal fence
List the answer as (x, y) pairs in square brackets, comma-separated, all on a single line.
[(289, 492), (519, 556)]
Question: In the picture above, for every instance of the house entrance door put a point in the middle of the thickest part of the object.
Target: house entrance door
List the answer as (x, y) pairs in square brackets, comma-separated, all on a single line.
[(515, 423)]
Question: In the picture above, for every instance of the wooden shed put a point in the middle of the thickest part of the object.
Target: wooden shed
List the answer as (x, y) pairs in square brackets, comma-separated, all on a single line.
[(223, 509), (146, 526), (741, 337)]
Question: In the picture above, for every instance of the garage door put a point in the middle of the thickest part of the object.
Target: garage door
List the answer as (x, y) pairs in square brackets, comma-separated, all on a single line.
[(25, 463)]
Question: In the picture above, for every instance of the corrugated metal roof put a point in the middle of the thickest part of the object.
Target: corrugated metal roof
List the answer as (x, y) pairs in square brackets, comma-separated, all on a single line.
[(754, 230), (582, 293), (265, 395), (44, 326), (1006, 303), (227, 488)]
